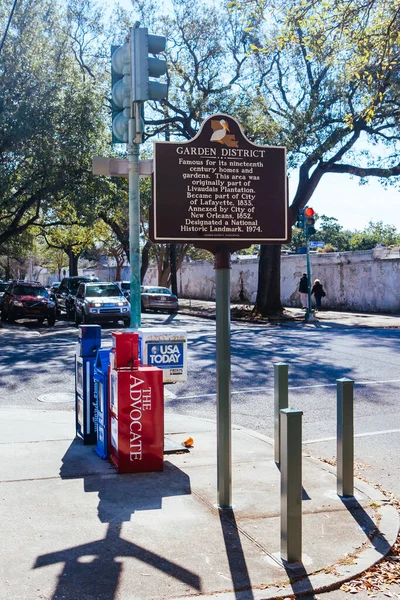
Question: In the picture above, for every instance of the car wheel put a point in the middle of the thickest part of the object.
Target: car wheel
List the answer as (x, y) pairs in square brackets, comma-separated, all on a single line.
[(172, 311), (77, 319), (143, 308), (70, 313), (84, 319), (41, 321), (10, 318), (3, 315), (51, 321), (127, 322)]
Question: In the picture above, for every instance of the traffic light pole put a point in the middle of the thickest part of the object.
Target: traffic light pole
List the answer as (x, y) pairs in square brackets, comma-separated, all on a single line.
[(134, 223), (310, 312)]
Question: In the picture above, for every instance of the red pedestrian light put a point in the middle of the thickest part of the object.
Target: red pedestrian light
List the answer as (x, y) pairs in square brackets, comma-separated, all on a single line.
[(309, 212)]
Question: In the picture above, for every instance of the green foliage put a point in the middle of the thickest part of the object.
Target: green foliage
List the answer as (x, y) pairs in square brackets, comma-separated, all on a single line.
[(333, 234), (51, 121), (373, 235)]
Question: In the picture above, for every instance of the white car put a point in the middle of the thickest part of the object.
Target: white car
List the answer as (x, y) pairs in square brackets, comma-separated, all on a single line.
[(98, 302)]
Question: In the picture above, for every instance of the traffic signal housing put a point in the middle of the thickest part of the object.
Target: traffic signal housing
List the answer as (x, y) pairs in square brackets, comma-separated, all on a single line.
[(310, 220), (120, 92), (144, 66), (301, 219)]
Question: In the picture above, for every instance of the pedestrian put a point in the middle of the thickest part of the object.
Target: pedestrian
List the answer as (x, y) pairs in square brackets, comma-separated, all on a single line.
[(303, 291), (318, 292)]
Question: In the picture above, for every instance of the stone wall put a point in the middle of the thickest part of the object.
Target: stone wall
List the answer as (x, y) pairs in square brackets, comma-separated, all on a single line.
[(367, 281)]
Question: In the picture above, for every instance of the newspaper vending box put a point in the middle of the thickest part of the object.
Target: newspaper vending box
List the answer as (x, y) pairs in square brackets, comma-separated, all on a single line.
[(136, 406), (85, 403), (101, 375)]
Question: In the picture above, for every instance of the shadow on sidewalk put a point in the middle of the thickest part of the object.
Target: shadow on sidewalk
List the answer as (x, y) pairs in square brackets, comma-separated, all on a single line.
[(236, 557), (92, 570), (367, 525)]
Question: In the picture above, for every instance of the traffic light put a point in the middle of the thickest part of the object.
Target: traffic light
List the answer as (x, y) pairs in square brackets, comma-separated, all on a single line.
[(309, 214), (120, 98), (301, 220), (145, 66)]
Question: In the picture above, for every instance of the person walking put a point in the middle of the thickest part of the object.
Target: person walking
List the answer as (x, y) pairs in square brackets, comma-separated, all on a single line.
[(318, 292), (303, 291)]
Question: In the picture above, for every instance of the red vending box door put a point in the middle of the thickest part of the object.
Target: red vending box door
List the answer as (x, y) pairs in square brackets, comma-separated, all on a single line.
[(137, 420)]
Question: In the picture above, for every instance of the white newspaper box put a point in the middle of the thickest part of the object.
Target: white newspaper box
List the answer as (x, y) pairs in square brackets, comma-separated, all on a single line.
[(165, 348)]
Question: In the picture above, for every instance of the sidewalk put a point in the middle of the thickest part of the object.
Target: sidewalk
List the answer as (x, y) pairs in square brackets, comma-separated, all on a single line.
[(206, 309), (73, 529)]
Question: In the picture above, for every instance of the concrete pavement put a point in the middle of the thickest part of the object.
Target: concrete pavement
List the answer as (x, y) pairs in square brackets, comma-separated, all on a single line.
[(73, 529)]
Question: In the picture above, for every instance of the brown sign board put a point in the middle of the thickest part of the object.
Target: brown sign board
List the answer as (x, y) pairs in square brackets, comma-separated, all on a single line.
[(219, 190)]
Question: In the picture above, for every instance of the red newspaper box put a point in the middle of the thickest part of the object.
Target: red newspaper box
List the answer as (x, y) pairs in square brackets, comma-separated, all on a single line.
[(136, 433)]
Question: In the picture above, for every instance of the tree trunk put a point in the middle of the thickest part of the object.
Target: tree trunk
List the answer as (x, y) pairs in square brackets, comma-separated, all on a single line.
[(172, 258), (268, 301), (145, 260), (73, 263)]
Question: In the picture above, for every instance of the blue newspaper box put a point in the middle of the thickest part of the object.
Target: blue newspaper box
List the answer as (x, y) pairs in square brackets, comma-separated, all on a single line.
[(85, 403), (100, 377)]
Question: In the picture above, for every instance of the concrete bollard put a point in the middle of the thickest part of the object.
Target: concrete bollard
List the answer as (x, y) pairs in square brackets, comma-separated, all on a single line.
[(281, 401), (291, 484), (345, 437)]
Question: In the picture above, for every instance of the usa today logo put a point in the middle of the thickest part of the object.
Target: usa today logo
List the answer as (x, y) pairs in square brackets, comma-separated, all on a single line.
[(165, 355)]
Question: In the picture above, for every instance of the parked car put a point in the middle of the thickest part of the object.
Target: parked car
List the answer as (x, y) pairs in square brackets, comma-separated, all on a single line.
[(158, 298), (54, 286), (28, 300), (125, 287), (98, 302), (65, 295), (3, 286)]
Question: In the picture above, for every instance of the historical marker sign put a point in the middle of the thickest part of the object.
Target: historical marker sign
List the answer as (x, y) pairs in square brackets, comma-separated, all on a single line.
[(220, 189)]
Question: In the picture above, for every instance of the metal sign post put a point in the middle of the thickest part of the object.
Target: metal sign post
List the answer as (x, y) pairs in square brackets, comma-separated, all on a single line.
[(220, 192), (223, 322), (134, 225)]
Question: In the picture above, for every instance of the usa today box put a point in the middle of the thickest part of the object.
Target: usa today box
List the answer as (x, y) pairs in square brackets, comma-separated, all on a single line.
[(165, 348)]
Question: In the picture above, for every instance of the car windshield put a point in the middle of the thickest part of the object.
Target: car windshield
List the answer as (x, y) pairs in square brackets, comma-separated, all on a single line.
[(30, 290), (75, 283), (125, 286), (101, 291), (73, 286), (157, 290)]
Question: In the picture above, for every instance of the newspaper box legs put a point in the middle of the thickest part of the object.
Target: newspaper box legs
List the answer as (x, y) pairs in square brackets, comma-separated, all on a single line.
[(136, 409)]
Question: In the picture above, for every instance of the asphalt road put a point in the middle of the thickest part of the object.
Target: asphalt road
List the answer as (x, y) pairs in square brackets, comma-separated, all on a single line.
[(37, 371)]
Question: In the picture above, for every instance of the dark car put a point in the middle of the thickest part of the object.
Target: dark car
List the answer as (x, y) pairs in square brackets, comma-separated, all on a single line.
[(28, 300), (65, 294), (3, 286), (125, 287), (158, 298), (100, 302)]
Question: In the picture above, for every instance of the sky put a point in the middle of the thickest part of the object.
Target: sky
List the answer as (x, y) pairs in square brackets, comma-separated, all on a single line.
[(354, 206), (341, 196)]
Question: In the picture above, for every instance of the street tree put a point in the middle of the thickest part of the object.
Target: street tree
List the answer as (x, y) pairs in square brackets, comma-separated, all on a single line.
[(326, 78), (51, 119)]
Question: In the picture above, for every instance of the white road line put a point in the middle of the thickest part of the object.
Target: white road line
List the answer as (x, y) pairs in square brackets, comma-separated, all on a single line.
[(367, 434), (295, 387)]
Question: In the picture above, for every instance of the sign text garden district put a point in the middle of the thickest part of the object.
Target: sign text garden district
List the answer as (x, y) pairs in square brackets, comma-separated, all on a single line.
[(219, 188)]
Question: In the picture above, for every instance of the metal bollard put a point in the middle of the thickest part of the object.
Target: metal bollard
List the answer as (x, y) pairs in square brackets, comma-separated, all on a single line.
[(281, 400), (345, 437), (291, 485)]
